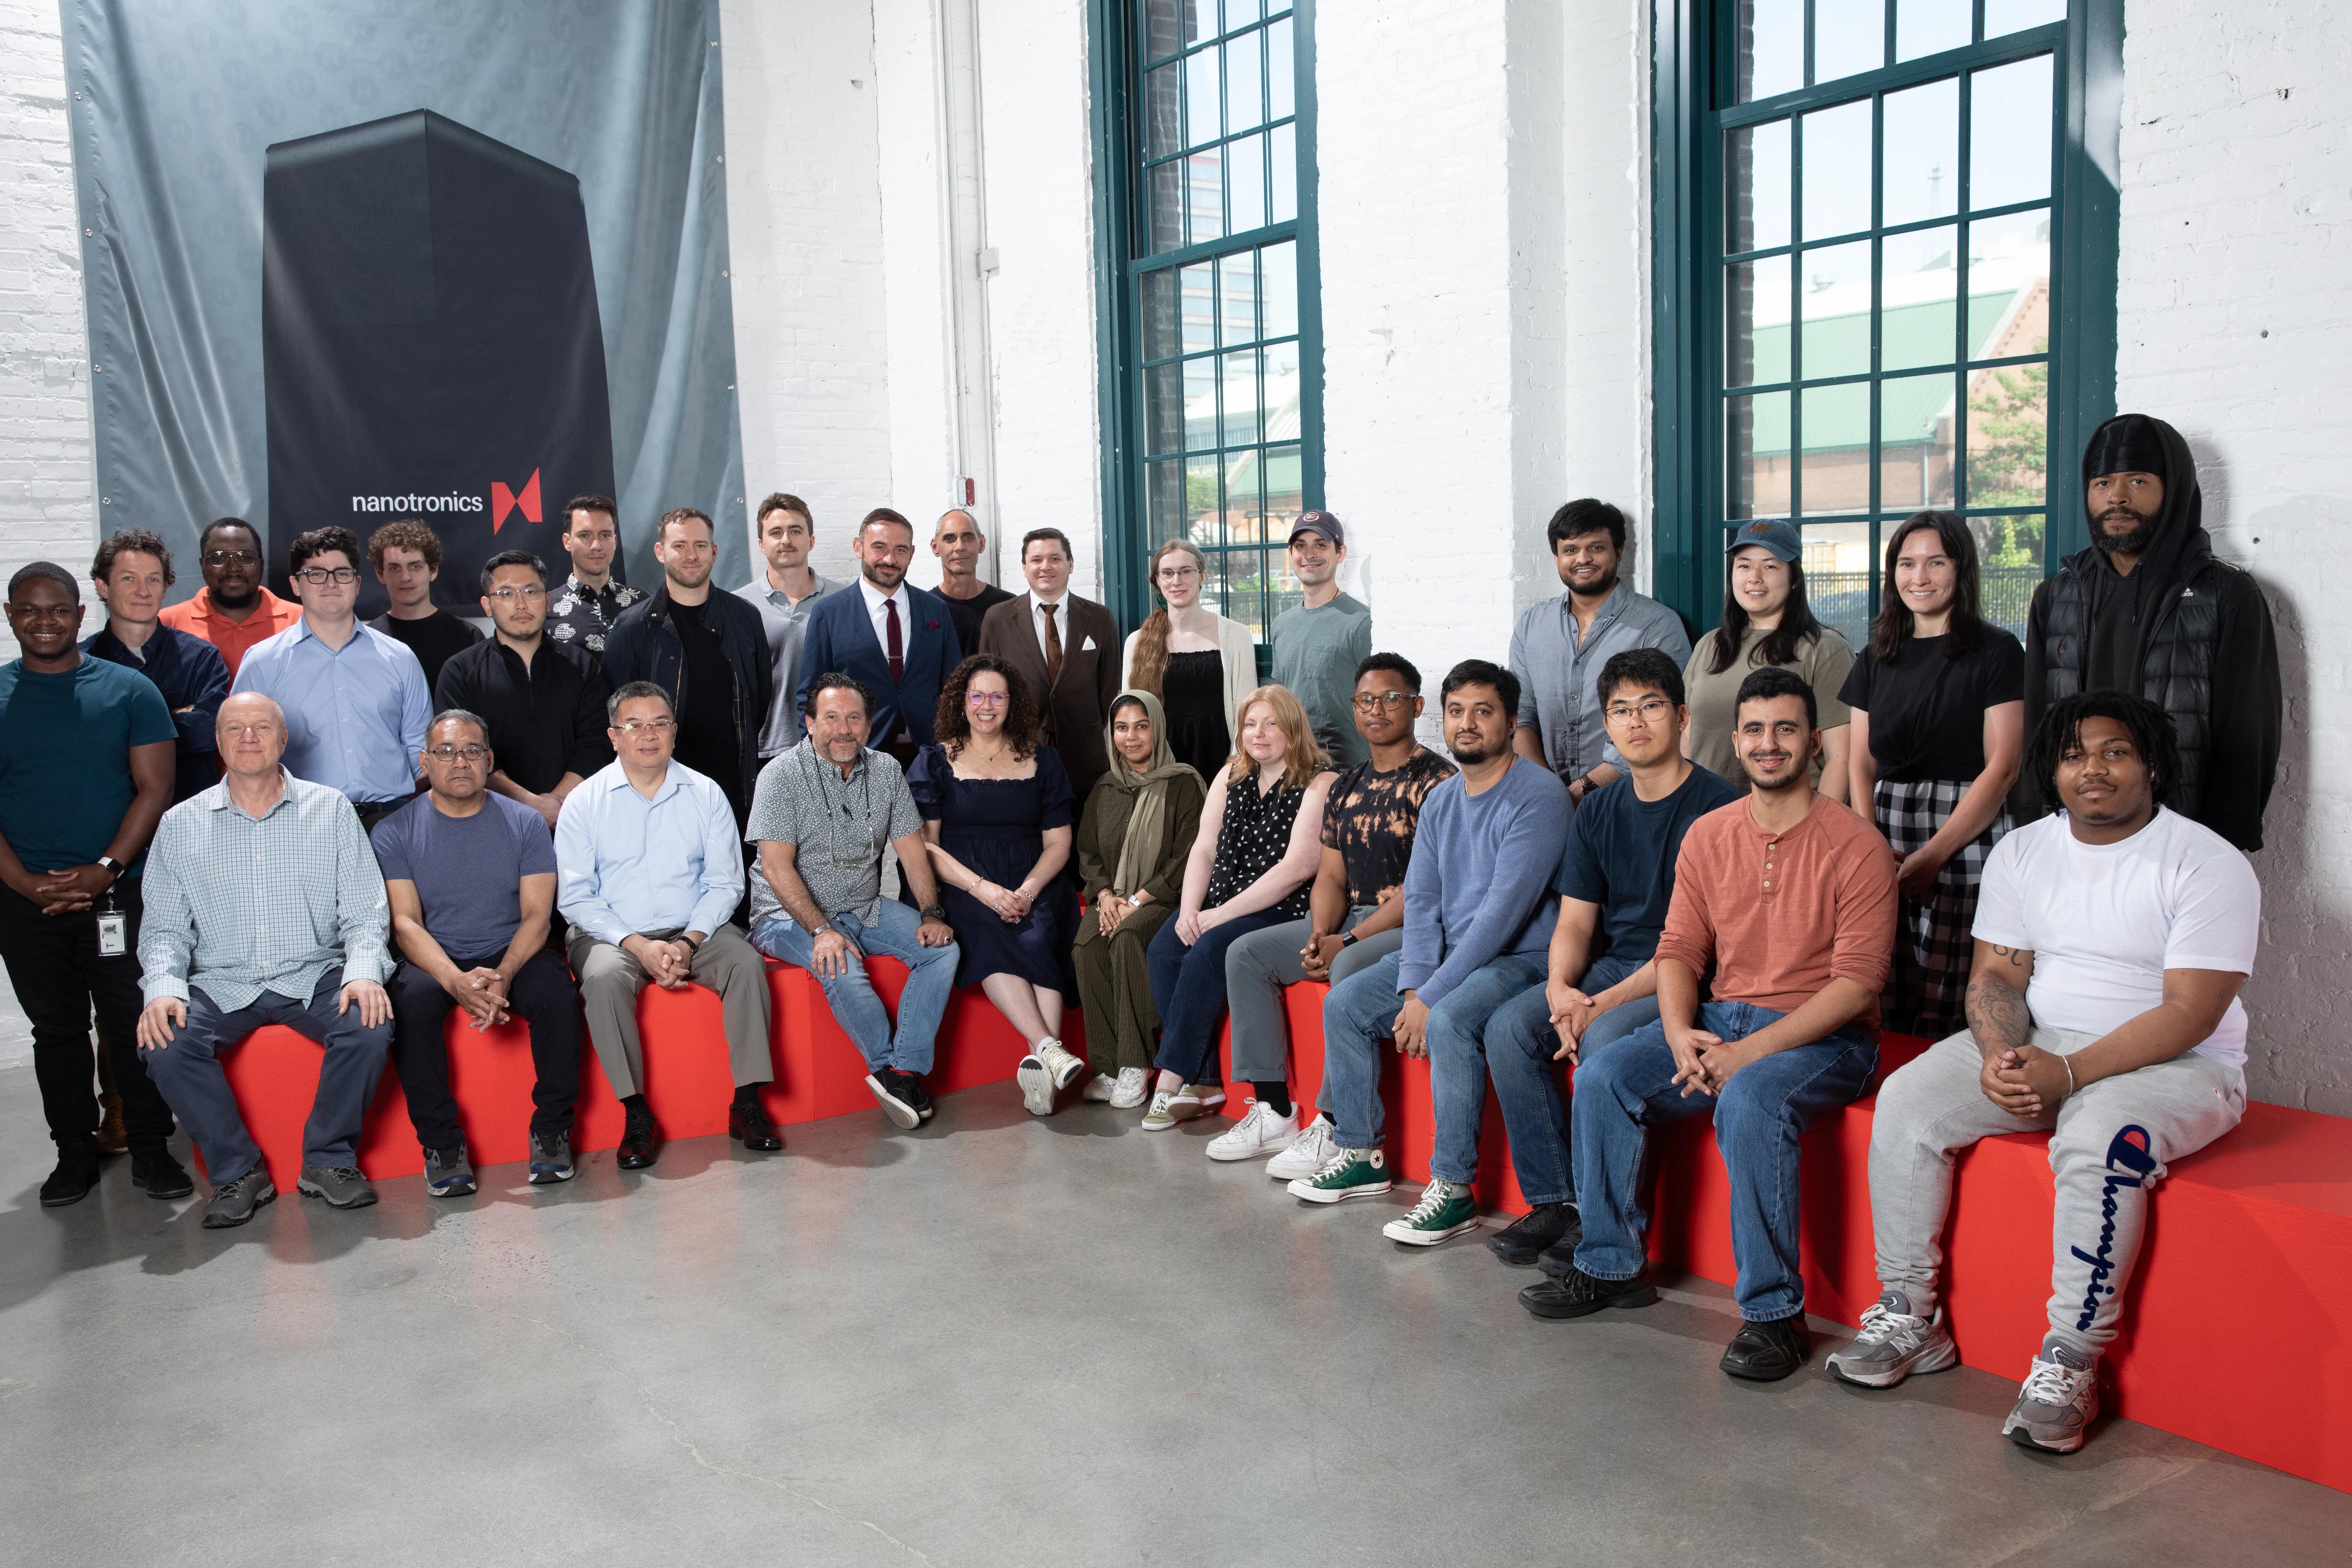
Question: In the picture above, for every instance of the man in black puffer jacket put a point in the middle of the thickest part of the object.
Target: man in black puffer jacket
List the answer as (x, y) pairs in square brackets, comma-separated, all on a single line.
[(2149, 609)]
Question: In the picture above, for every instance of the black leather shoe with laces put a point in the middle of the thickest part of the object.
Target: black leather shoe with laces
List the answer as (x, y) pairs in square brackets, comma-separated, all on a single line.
[(1580, 1295), (1767, 1352), (640, 1142), (748, 1124), (1545, 1226)]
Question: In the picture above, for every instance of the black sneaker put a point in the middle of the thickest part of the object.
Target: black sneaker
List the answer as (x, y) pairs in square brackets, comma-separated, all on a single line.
[(551, 1159), (1767, 1352), (156, 1173), (897, 1094), (234, 1203), (1524, 1240), (913, 1083), (76, 1174), (448, 1173), (1580, 1295)]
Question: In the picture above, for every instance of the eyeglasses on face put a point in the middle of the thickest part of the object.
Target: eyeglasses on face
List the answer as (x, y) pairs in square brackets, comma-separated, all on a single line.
[(320, 576), (649, 726), (529, 594), (1651, 710), (457, 753), (1373, 701), (986, 699), (249, 731), (1178, 573), (230, 557)]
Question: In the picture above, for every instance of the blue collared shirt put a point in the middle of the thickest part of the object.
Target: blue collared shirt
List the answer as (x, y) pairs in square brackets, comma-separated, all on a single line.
[(1559, 672), (625, 864), (355, 716)]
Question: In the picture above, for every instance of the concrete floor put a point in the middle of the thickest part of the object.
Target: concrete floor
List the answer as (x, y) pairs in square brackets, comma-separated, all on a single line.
[(996, 1342)]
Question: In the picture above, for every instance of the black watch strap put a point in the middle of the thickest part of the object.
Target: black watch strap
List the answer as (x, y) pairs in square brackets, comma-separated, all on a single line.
[(1348, 939), (935, 912), (113, 867)]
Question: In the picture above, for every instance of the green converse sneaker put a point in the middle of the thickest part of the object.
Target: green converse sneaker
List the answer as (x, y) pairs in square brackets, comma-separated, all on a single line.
[(1445, 1211), (1349, 1173)]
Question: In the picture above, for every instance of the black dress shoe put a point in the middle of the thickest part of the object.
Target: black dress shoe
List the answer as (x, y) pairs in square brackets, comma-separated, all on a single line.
[(156, 1173), (1767, 1352), (76, 1174), (640, 1144), (1545, 1226), (1580, 1295), (749, 1125)]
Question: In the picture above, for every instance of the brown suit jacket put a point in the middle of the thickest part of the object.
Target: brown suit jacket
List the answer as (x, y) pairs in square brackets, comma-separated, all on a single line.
[(1079, 704)]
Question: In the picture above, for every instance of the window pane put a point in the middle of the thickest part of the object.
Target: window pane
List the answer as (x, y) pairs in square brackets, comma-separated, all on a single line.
[(2005, 16), (1837, 170), (1286, 494), (1834, 422), (1756, 336), (1204, 174), (1163, 408), (1837, 576), (1771, 45), (1169, 24), (1281, 393), (1158, 292), (1200, 306), (1200, 403), (1281, 73), (1931, 26), (1245, 89), (1836, 302), (2009, 134), (1240, 397), (1239, 13), (1244, 507), (1849, 36), (1756, 438), (1246, 159), (1282, 205), (1165, 219), (2009, 436), (1201, 502), (1756, 188), (1915, 441), (1163, 112), (1237, 289), (2009, 286), (1922, 172), (1201, 122), (1278, 275), (2009, 566), (1163, 494), (1918, 299)]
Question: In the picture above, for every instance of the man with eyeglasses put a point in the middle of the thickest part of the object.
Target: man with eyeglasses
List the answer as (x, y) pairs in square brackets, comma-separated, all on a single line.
[(1614, 883), (544, 702), (1355, 916), (405, 557), (590, 602), (354, 699), (470, 876), (232, 611), (786, 594), (651, 863)]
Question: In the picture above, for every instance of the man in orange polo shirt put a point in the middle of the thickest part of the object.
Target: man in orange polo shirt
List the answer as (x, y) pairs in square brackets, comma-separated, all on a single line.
[(1791, 899), (232, 611)]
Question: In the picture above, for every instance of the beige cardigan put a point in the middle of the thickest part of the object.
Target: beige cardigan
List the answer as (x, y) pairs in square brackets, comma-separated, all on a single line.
[(1239, 655)]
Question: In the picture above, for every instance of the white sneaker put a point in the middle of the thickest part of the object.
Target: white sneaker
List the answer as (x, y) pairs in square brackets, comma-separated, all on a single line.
[(1307, 1153), (1256, 1135), (1037, 1081), (1133, 1081), (1064, 1067), (1101, 1087)]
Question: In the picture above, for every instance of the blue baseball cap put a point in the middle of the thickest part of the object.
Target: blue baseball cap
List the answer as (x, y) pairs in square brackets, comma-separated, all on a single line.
[(1777, 537)]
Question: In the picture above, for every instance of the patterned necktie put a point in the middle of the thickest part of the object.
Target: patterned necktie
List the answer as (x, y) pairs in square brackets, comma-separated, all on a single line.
[(897, 643), (1053, 646)]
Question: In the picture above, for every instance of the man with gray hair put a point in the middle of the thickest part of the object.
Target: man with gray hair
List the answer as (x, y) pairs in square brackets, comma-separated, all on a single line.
[(650, 865), (470, 875)]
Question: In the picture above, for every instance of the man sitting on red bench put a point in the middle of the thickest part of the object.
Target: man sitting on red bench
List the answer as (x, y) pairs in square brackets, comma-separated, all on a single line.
[(2111, 940), (263, 906)]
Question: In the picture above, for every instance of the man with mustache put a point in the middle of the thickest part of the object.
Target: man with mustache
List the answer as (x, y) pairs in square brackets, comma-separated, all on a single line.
[(232, 611), (2149, 609)]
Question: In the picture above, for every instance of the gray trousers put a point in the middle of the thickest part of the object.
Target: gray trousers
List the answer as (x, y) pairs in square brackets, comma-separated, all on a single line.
[(610, 980), (2108, 1147), (1257, 969)]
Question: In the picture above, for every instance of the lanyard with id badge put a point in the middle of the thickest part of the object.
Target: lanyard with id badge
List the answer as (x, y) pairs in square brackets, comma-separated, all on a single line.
[(113, 928)]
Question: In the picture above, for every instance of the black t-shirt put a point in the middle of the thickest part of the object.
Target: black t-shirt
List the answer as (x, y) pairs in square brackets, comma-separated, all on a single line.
[(433, 639), (1621, 855), (967, 613), (1927, 712), (706, 742)]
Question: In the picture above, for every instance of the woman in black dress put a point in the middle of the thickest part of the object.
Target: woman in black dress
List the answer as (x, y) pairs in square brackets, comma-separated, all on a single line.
[(997, 815), (1200, 665)]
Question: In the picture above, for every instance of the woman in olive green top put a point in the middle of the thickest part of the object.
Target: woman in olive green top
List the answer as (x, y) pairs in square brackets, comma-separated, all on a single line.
[(1133, 839), (1766, 622)]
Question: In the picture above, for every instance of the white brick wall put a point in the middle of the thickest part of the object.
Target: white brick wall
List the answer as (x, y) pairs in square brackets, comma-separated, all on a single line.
[(2235, 310)]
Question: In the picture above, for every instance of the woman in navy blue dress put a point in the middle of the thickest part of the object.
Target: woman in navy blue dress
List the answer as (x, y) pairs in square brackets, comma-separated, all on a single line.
[(998, 814)]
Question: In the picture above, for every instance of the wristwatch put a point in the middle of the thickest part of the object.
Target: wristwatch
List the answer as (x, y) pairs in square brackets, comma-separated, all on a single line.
[(935, 912), (113, 867), (1348, 939)]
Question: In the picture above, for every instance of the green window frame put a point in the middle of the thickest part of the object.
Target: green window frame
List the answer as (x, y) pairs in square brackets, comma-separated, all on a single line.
[(1871, 294), (1209, 335)]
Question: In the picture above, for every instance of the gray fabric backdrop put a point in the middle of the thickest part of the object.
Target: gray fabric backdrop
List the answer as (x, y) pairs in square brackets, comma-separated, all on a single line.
[(175, 101)]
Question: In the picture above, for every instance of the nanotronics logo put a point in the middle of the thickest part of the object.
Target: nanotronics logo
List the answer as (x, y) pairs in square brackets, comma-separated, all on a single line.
[(502, 504), (416, 503)]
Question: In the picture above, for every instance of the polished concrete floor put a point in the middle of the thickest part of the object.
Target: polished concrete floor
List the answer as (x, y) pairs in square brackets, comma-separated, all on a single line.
[(996, 1342)]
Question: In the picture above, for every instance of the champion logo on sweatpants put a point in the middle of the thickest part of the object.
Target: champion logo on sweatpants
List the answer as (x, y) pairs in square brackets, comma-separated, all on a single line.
[(2131, 1161)]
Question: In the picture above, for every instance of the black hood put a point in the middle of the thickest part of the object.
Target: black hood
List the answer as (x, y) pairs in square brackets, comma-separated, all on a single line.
[(2180, 539)]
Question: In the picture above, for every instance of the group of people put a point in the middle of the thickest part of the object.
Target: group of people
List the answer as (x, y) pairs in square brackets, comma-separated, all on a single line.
[(1701, 878)]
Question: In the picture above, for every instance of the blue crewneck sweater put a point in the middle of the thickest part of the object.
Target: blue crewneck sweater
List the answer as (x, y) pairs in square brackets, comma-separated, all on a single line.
[(1481, 866)]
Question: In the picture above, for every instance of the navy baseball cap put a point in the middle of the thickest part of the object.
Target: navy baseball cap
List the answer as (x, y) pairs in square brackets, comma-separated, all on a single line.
[(1322, 522), (1777, 537)]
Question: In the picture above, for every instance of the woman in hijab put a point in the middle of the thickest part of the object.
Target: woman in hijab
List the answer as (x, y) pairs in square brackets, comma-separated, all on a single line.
[(1133, 838)]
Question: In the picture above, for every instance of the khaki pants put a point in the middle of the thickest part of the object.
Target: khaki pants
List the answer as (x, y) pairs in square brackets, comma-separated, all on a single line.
[(610, 980)]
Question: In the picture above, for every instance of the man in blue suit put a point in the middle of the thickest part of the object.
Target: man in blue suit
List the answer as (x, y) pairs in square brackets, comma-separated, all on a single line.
[(889, 634)]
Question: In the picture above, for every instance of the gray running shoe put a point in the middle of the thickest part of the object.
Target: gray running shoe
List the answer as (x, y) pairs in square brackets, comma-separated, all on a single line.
[(2058, 1403), (341, 1185), (447, 1172), (234, 1203), (1895, 1342), (551, 1159)]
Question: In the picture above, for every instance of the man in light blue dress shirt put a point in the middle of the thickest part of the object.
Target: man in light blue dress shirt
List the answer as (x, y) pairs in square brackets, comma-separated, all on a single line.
[(650, 866), (354, 699), (785, 595)]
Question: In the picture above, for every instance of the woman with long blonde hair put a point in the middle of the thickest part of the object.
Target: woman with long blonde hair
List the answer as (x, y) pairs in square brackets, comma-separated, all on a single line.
[(1200, 665), (1253, 865)]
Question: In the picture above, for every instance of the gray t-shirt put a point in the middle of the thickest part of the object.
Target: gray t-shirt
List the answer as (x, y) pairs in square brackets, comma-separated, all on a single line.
[(838, 825), (468, 870), (1316, 653)]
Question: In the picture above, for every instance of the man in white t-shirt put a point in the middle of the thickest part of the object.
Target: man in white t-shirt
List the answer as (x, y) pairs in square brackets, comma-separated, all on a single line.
[(2111, 940)]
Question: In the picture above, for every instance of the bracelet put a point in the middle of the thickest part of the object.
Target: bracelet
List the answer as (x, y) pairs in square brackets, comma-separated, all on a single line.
[(2070, 1076)]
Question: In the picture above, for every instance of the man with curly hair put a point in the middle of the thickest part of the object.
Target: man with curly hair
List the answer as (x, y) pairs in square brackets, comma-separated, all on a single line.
[(405, 557)]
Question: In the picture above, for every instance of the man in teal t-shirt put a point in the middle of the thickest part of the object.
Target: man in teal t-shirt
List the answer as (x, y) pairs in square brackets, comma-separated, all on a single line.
[(87, 765), (1319, 642)]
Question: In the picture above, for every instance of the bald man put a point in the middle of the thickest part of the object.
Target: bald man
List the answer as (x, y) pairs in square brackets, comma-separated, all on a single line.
[(959, 543)]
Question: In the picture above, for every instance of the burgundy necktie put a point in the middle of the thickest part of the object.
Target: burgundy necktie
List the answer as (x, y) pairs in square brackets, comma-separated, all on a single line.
[(897, 643)]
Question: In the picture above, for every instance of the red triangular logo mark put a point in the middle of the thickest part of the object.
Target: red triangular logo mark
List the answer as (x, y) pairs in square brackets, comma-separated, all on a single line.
[(504, 500)]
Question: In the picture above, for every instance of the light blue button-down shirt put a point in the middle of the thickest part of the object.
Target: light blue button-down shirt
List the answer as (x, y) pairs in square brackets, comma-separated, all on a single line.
[(355, 716), (626, 865)]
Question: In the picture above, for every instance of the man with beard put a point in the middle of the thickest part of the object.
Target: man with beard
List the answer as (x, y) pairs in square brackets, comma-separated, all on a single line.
[(232, 611), (895, 640), (2147, 609), (1475, 937), (1791, 899), (1559, 647), (591, 600), (542, 702)]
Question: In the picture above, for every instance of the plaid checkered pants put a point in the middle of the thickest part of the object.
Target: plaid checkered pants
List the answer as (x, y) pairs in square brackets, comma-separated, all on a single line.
[(1928, 988)]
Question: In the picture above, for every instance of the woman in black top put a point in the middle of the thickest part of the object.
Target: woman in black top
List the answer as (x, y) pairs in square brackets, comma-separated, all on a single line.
[(1938, 704)]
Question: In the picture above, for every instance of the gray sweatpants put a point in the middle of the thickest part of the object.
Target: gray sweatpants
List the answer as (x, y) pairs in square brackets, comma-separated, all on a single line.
[(609, 982), (2109, 1143), (1257, 969)]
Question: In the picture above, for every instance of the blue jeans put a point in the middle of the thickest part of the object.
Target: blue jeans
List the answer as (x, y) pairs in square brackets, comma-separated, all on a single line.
[(1458, 1061), (859, 1011), (1623, 1090), (1188, 992), (1520, 1042), (1361, 1012)]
